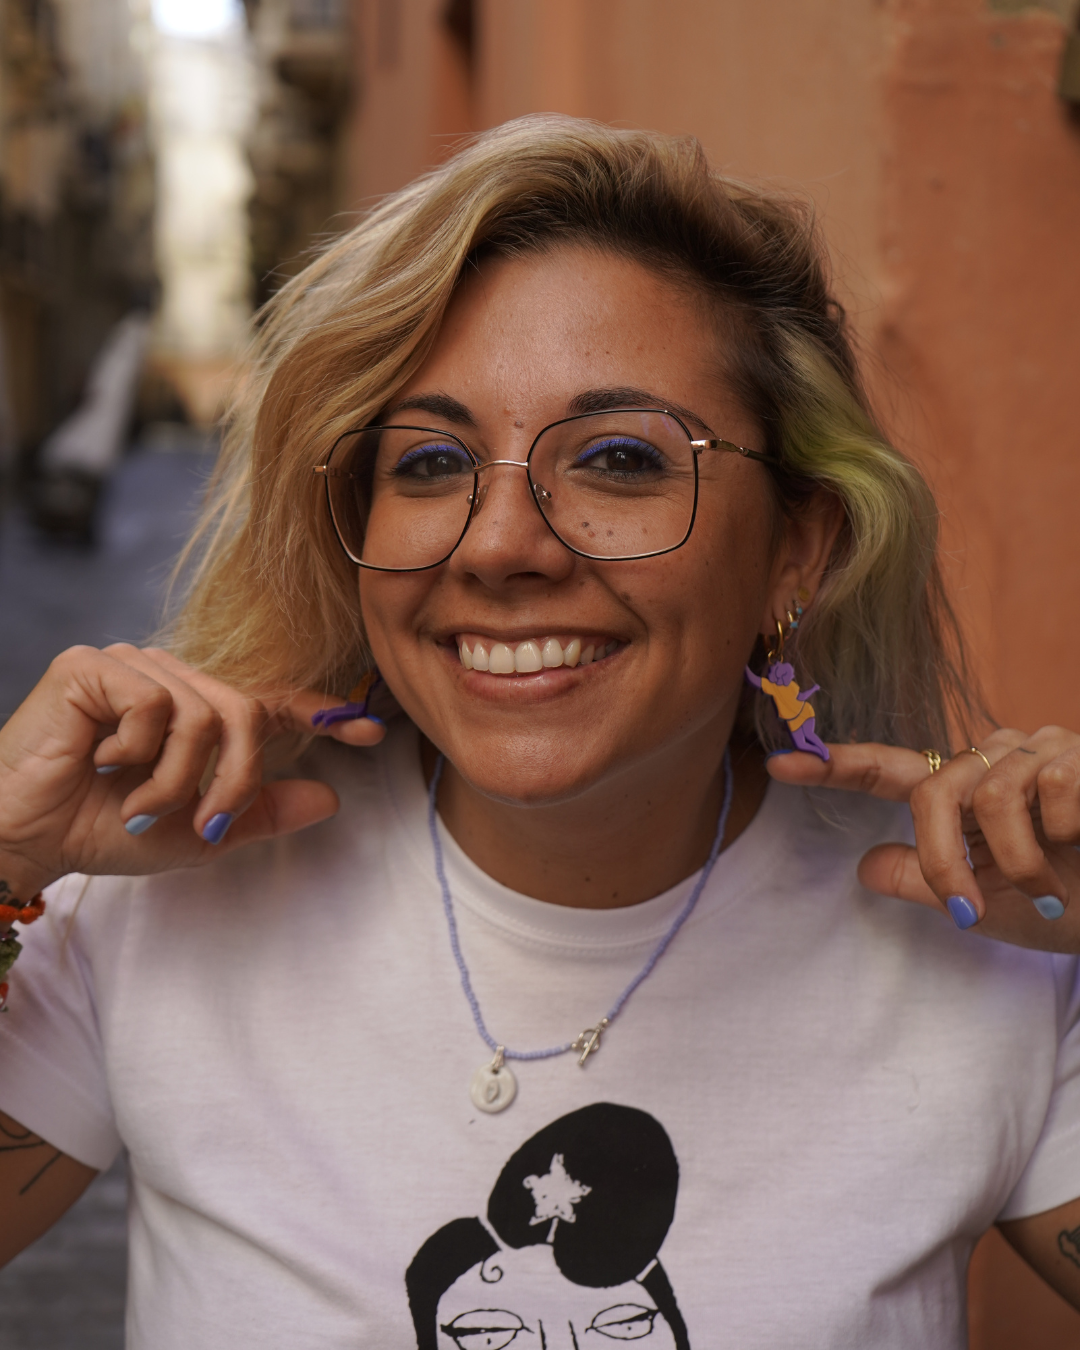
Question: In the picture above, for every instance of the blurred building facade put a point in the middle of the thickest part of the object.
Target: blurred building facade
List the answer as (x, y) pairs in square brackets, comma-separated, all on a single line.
[(299, 145), (202, 82), (944, 161), (76, 201)]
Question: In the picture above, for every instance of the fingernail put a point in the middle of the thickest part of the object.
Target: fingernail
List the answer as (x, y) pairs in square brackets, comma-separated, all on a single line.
[(107, 768), (773, 753), (215, 827), (140, 824), (1049, 906), (377, 720), (964, 914)]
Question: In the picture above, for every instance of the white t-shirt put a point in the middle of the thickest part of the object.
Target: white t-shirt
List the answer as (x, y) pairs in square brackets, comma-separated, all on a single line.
[(792, 1135)]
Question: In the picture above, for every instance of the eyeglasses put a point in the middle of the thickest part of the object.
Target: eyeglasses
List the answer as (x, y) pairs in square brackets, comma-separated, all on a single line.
[(610, 485)]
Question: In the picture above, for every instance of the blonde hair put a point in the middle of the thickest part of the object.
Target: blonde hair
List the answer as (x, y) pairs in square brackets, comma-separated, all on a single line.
[(273, 601)]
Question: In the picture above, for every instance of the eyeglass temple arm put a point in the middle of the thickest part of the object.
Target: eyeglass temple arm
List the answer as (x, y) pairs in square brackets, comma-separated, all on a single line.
[(717, 444)]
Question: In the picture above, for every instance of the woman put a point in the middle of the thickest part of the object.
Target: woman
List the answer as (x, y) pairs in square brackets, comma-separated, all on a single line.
[(588, 440)]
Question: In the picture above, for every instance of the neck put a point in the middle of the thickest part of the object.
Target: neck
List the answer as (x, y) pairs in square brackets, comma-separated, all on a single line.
[(587, 853)]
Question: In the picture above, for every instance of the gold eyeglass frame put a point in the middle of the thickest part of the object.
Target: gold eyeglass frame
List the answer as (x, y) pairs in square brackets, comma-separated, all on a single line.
[(538, 492)]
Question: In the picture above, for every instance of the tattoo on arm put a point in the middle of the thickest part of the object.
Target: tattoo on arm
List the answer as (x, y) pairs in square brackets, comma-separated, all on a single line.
[(1069, 1244), (12, 1141)]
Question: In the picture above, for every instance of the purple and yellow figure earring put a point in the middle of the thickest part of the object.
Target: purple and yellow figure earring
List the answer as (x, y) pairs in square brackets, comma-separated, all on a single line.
[(789, 700), (356, 706)]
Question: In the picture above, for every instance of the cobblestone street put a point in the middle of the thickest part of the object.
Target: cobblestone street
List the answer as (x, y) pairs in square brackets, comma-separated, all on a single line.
[(67, 1291)]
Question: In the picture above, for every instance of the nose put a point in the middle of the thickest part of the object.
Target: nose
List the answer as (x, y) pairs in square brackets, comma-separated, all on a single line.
[(506, 536), (553, 1336)]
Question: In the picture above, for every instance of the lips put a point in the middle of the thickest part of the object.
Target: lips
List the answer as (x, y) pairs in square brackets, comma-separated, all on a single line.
[(532, 654)]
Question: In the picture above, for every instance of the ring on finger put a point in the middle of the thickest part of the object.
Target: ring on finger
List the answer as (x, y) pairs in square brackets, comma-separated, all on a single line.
[(933, 758), (974, 750)]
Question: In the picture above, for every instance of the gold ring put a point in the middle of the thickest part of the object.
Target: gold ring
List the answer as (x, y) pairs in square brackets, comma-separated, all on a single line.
[(933, 758), (972, 750)]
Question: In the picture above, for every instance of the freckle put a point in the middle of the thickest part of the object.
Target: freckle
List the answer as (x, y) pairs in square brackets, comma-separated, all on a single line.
[(519, 424)]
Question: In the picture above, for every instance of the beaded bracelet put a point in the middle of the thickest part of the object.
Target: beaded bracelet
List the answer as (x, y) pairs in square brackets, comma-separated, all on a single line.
[(10, 946)]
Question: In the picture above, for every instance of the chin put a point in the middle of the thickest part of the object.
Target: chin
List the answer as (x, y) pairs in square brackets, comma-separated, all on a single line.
[(527, 771)]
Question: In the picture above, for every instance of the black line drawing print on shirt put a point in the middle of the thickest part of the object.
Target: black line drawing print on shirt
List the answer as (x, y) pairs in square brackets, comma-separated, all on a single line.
[(570, 1245)]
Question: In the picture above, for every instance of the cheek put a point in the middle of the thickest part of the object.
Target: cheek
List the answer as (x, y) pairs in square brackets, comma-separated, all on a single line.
[(709, 594), (391, 605)]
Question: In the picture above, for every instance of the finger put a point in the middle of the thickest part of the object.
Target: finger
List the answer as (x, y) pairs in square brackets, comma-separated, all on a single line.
[(886, 771), (1001, 804), (82, 692), (193, 731), (279, 808), (1058, 782), (938, 806), (237, 768), (893, 869), (295, 714)]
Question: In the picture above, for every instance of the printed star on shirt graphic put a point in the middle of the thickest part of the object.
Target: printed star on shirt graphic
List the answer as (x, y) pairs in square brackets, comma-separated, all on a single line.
[(555, 1194)]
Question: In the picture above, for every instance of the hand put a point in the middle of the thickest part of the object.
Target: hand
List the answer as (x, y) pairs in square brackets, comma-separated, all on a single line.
[(1020, 820), (100, 768)]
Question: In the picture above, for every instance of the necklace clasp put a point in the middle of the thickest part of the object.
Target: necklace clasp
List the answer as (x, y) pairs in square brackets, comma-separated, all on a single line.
[(589, 1041)]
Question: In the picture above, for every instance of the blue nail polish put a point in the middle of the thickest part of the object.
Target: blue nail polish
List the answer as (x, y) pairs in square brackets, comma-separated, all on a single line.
[(107, 768), (215, 827), (140, 824), (773, 753), (377, 720), (1049, 906), (964, 914)]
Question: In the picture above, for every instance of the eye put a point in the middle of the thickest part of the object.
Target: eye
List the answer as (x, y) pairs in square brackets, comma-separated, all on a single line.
[(625, 456), (484, 1328), (624, 1322), (433, 460)]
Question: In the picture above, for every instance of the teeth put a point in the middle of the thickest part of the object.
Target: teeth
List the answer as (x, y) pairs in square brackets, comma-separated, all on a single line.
[(530, 656), (527, 658), (502, 659)]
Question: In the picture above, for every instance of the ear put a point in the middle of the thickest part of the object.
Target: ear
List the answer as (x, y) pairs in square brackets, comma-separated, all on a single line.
[(805, 549)]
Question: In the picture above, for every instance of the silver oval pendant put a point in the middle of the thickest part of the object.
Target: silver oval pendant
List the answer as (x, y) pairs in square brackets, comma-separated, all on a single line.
[(493, 1089)]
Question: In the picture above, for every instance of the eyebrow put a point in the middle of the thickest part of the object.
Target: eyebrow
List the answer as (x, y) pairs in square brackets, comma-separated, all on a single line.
[(588, 401), (438, 405), (626, 396)]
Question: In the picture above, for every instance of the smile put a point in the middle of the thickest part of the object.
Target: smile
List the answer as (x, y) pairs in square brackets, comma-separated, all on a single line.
[(532, 655)]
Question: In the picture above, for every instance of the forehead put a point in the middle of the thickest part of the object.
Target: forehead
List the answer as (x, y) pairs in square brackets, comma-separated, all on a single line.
[(526, 1281), (526, 334)]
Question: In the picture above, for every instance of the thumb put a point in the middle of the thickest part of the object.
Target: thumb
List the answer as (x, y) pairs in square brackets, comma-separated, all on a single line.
[(295, 714), (280, 808), (893, 869), (886, 771)]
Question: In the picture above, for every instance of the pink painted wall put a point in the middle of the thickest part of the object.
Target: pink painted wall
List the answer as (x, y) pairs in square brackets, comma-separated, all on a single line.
[(946, 173), (980, 320)]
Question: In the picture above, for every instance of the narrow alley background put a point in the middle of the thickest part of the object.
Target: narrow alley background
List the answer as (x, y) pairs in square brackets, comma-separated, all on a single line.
[(164, 164)]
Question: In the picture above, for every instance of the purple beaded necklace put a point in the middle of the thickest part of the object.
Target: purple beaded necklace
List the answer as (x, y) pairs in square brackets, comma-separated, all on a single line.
[(494, 1086)]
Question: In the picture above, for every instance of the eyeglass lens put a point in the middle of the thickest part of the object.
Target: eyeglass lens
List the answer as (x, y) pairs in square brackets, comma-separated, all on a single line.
[(610, 485)]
